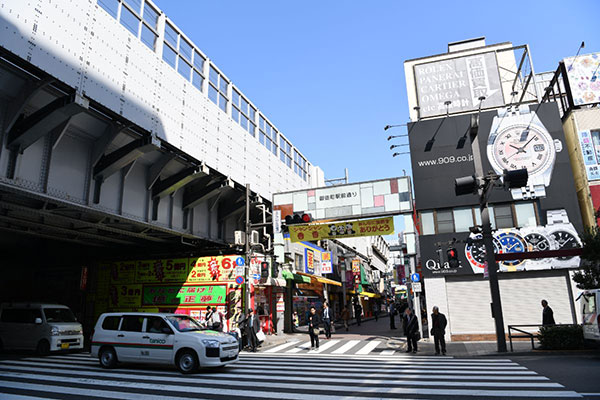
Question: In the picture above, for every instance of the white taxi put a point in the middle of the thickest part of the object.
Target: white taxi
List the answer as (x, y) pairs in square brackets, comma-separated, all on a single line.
[(160, 339)]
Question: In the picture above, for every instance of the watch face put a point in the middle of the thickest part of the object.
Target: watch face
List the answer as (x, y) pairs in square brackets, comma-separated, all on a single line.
[(537, 242), (475, 252), (511, 243), (521, 147), (565, 240)]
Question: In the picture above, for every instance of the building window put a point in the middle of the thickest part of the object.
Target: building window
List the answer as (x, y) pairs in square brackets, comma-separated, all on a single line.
[(267, 135), (150, 16), (300, 165), (213, 95), (525, 213), (492, 217), (285, 151), (171, 35), (136, 5), (130, 21), (184, 68), (503, 214), (110, 6), (148, 37), (427, 224), (197, 80), (217, 88), (185, 49), (199, 62), (445, 224), (463, 219), (298, 262), (169, 55)]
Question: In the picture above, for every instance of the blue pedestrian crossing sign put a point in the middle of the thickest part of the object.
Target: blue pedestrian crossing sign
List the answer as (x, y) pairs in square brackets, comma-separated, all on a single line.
[(415, 277), (239, 261)]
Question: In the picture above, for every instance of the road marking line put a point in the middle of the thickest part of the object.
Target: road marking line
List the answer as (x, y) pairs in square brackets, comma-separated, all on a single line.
[(350, 344), (387, 352), (324, 346), (303, 346), (281, 347), (369, 347)]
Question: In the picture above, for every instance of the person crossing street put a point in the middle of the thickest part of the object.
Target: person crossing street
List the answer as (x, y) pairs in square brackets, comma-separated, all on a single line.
[(313, 327), (438, 330), (411, 331), (327, 318)]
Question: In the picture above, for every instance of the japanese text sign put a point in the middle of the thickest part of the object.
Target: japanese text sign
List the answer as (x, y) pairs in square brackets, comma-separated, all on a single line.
[(369, 227), (213, 269), (184, 295)]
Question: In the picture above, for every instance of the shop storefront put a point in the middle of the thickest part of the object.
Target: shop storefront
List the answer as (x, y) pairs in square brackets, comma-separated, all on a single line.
[(179, 285)]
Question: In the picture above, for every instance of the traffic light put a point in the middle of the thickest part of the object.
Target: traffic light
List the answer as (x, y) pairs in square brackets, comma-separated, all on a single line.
[(298, 218), (452, 257), (264, 269)]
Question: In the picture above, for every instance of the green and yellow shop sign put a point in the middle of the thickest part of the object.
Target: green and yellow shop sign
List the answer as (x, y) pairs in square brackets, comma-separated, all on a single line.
[(191, 295), (214, 269), (166, 270)]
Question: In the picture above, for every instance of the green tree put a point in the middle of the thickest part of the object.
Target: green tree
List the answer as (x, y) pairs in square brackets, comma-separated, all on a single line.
[(589, 275)]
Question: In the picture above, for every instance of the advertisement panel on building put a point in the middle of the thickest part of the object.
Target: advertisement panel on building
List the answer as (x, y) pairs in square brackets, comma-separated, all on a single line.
[(549, 221), (583, 72), (590, 149), (366, 227), (460, 81)]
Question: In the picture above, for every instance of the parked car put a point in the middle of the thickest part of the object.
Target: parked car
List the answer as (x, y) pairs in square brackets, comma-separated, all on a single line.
[(38, 326), (160, 338)]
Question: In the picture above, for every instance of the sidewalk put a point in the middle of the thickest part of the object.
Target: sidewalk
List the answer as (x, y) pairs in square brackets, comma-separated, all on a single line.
[(395, 340)]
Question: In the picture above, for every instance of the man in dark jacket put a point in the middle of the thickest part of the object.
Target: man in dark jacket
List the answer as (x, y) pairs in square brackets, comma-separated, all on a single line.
[(327, 316), (438, 330), (313, 327), (357, 312), (411, 330), (547, 314), (392, 314), (252, 327)]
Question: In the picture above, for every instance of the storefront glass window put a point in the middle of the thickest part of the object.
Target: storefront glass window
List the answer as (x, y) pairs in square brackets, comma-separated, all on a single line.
[(463, 219)]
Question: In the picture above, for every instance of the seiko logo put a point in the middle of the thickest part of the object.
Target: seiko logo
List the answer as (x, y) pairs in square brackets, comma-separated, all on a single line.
[(158, 341)]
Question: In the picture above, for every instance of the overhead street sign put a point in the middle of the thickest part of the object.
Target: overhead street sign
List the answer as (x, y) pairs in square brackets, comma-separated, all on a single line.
[(365, 227), (385, 197)]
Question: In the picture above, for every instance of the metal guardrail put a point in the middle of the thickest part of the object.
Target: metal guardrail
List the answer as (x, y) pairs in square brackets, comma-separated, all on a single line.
[(525, 334)]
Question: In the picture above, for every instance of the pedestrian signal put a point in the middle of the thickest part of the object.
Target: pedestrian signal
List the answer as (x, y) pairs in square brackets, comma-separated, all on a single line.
[(264, 269), (452, 257)]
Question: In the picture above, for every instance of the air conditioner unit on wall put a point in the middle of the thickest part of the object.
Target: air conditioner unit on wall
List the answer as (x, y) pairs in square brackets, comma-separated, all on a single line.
[(239, 238)]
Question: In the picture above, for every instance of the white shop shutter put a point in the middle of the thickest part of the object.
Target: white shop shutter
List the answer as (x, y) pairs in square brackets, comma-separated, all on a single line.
[(469, 301)]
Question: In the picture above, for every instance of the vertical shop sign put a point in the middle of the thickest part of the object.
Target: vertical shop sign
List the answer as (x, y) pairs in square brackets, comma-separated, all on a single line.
[(326, 267), (309, 261)]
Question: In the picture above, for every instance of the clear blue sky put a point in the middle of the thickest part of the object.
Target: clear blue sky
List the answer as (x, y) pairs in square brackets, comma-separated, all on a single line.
[(330, 75)]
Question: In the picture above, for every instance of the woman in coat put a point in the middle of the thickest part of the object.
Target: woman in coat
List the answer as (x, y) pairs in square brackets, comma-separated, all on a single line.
[(313, 327)]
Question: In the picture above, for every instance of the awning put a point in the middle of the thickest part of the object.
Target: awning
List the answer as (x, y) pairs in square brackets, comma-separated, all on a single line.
[(295, 277), (368, 294), (321, 279)]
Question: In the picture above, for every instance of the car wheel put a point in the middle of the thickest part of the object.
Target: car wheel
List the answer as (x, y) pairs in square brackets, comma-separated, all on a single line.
[(107, 357), (43, 347), (187, 362)]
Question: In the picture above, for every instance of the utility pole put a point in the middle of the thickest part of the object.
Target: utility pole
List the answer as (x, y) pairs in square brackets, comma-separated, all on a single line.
[(247, 269), (488, 239)]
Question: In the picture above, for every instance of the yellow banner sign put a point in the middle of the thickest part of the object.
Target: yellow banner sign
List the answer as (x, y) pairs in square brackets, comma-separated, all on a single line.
[(166, 270), (366, 227), (214, 269)]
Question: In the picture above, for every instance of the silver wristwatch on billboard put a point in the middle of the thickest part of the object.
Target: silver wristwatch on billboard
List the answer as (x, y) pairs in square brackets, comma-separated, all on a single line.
[(519, 140), (563, 236)]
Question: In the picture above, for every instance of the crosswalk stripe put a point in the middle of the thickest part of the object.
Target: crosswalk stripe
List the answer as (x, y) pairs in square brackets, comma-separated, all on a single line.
[(288, 388), (325, 346), (311, 372), (369, 347), (350, 344), (393, 364), (297, 349), (387, 352), (306, 379), (281, 347)]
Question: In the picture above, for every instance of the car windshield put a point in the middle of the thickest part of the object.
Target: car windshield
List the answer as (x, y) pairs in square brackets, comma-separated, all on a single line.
[(59, 315), (183, 323)]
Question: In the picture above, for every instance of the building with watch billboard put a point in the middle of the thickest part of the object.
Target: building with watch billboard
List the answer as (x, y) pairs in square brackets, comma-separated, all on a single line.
[(517, 131)]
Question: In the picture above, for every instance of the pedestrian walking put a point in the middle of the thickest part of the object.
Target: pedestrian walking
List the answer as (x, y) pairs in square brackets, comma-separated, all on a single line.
[(208, 317), (392, 314), (345, 317), (327, 318), (411, 331), (296, 319), (377, 310), (357, 312), (216, 319), (547, 314), (313, 327), (252, 327), (239, 326), (438, 330)]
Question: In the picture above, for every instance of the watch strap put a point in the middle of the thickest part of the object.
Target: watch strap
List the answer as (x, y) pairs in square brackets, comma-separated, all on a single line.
[(528, 192), (557, 217)]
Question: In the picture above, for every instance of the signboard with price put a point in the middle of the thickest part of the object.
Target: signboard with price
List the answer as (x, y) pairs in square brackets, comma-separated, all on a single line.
[(166, 270), (366, 227), (184, 295), (213, 269)]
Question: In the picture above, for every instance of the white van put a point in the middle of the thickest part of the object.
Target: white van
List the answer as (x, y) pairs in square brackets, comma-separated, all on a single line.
[(40, 327), (590, 302), (159, 338)]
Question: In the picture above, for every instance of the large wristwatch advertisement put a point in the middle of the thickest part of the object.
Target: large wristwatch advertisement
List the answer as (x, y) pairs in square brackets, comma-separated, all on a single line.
[(519, 140)]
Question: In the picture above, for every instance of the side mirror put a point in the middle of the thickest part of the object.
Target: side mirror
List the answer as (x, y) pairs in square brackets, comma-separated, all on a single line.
[(167, 331), (38, 321)]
